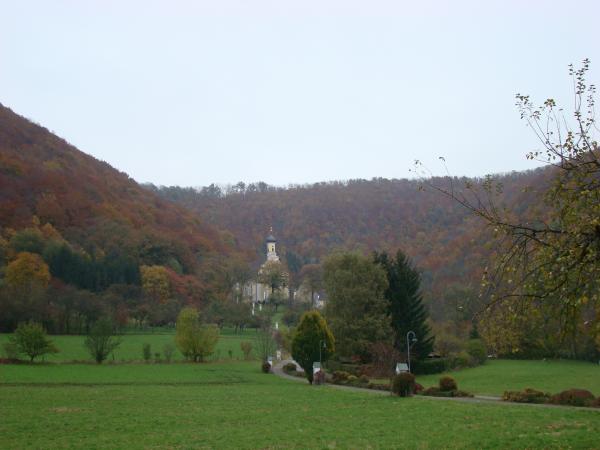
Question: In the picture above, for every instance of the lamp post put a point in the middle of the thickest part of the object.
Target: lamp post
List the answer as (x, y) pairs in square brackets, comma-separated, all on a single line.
[(411, 338), (322, 344)]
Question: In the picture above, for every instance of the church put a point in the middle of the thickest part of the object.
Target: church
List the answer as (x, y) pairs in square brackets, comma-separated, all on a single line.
[(272, 278)]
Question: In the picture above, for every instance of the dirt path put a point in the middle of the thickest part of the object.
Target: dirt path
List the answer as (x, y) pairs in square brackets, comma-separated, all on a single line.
[(483, 399)]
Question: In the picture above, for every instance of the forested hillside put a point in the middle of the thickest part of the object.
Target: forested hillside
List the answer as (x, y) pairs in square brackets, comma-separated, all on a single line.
[(78, 237), (445, 240)]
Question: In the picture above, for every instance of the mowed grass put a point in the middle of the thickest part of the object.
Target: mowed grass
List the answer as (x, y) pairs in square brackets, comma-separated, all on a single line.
[(233, 405), (497, 376), (72, 348)]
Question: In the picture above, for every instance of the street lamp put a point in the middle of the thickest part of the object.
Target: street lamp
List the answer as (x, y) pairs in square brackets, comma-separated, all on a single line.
[(411, 338), (322, 344)]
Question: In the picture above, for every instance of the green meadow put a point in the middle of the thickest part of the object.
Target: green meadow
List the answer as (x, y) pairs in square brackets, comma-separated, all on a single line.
[(233, 405), (497, 376), (230, 404), (72, 349)]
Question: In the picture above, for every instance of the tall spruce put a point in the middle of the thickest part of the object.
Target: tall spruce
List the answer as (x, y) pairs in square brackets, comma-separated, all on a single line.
[(405, 304)]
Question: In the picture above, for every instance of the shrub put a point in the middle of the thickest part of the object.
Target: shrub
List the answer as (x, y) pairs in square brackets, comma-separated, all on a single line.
[(230, 353), (246, 349), (289, 368), (448, 383), (418, 388), (168, 350), (340, 377), (351, 379), (526, 396), (157, 357), (363, 379), (403, 384), (101, 342), (461, 360), (266, 367), (30, 338), (435, 391), (573, 397), (429, 366), (595, 403), (476, 349), (432, 391), (147, 352), (11, 351)]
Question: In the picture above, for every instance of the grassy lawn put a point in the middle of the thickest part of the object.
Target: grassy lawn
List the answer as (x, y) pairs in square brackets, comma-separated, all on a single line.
[(497, 376), (233, 405), (72, 349)]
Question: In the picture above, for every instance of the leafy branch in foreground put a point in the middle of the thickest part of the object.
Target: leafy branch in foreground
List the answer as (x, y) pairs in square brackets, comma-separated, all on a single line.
[(550, 255)]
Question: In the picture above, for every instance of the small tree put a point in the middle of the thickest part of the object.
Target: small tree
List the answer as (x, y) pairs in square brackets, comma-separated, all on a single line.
[(246, 349), (193, 340), (146, 352), (312, 341), (265, 343), (168, 350), (101, 341), (30, 338)]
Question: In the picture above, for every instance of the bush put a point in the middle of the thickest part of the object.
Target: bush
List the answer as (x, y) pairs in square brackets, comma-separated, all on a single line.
[(595, 403), (432, 391), (168, 350), (573, 397), (403, 384), (448, 383), (526, 396), (289, 368), (351, 379), (340, 377), (157, 357), (30, 338), (246, 349), (11, 351), (266, 367), (461, 360), (101, 342), (418, 388), (363, 379), (476, 349), (435, 391), (429, 366), (147, 352)]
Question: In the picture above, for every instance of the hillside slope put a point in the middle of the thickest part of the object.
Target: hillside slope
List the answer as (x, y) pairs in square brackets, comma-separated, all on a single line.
[(446, 241), (96, 227)]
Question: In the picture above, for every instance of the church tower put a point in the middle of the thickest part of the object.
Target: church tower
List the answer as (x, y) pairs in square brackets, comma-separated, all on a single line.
[(271, 252)]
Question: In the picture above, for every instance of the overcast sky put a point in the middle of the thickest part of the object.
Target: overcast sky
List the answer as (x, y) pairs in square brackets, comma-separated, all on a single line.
[(195, 92)]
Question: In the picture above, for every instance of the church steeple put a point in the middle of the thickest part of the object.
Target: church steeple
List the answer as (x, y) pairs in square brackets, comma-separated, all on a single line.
[(271, 252)]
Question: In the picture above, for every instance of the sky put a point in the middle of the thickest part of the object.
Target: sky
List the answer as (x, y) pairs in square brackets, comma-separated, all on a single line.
[(195, 92)]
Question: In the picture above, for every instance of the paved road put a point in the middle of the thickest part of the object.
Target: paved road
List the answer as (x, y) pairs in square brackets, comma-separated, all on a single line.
[(278, 370)]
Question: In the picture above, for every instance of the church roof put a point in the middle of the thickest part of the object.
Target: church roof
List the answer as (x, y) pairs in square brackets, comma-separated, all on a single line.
[(271, 238)]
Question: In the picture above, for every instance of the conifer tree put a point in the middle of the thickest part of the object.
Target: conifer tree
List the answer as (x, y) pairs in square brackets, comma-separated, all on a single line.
[(405, 304)]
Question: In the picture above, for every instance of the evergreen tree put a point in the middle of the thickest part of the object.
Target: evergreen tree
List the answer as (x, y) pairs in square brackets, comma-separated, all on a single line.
[(405, 304)]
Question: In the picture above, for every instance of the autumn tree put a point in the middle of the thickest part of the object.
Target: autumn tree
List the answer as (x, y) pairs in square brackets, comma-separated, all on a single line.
[(312, 342), (194, 341), (26, 280), (273, 275), (312, 278), (551, 257), (155, 283), (356, 309), (405, 304)]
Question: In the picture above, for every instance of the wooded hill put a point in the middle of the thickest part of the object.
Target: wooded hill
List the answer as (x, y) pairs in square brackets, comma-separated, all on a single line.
[(446, 241), (94, 226)]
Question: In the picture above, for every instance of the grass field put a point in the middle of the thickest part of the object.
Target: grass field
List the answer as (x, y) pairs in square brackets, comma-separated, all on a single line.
[(233, 405), (497, 376), (72, 348)]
